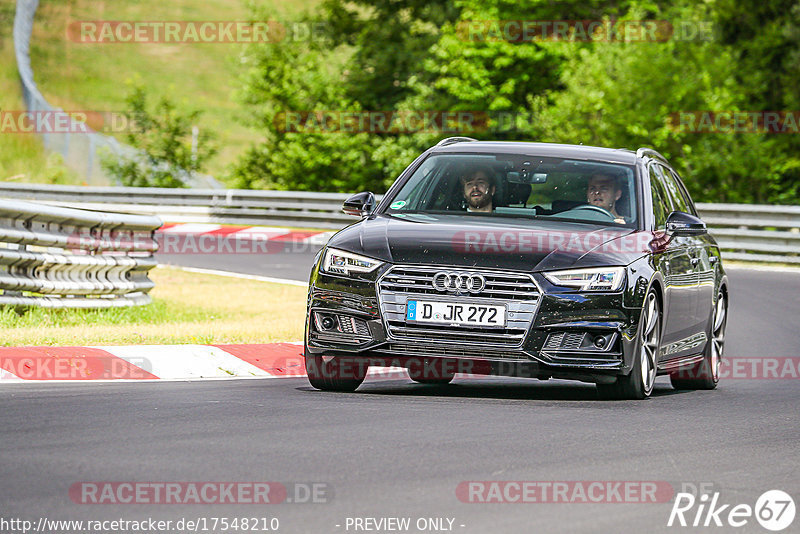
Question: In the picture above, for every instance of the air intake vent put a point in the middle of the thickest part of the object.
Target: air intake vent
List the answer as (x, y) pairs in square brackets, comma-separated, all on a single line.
[(351, 325), (564, 341)]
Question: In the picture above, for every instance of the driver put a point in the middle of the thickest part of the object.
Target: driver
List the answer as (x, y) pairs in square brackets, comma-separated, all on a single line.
[(478, 188), (603, 191)]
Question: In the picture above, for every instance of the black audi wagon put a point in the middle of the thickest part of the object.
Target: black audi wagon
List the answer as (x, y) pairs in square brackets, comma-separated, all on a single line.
[(522, 259)]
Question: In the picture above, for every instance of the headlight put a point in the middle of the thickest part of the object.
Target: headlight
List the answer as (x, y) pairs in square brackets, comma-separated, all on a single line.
[(599, 279), (347, 263)]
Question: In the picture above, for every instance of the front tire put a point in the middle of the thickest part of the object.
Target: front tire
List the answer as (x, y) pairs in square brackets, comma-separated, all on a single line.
[(335, 373), (638, 384), (705, 375)]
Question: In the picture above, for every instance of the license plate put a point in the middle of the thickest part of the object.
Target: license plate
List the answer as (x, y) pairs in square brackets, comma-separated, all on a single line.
[(455, 313)]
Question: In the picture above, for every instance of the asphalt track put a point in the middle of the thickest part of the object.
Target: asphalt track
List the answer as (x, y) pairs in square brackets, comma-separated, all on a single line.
[(399, 449), (292, 263)]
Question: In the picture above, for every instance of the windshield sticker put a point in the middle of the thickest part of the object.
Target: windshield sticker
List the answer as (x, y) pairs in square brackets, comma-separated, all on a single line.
[(398, 204)]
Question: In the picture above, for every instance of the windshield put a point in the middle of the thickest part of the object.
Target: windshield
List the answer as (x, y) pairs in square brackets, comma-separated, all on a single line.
[(519, 186)]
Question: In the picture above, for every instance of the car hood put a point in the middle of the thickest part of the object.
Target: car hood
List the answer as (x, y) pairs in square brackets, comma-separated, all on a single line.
[(491, 242)]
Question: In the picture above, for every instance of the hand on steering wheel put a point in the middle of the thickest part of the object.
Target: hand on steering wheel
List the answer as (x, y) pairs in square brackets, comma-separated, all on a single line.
[(596, 208)]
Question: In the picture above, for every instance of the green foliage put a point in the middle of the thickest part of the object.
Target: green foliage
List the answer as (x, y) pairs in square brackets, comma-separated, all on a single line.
[(627, 95), (163, 139), (411, 55), (291, 77), (390, 39)]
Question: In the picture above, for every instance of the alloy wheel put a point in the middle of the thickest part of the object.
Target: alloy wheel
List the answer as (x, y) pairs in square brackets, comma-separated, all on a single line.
[(651, 336), (718, 336)]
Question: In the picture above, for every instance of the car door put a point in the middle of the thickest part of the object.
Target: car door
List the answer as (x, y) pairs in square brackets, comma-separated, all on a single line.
[(704, 260), (679, 274)]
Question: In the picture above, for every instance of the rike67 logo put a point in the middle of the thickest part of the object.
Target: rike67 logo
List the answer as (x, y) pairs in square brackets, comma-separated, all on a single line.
[(774, 510)]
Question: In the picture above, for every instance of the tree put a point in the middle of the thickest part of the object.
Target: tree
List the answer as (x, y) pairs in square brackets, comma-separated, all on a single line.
[(291, 78), (164, 155), (628, 94), (413, 55)]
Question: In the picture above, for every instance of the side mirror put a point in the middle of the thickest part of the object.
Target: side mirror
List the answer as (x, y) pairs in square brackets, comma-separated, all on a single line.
[(682, 224), (360, 204)]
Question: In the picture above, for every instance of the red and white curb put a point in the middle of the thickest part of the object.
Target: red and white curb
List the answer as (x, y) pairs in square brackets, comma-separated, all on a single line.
[(150, 362), (264, 233), (158, 362)]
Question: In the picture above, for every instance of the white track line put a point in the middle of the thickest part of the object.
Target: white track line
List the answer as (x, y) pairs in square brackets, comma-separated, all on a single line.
[(191, 228), (230, 274), (776, 269), (9, 376), (260, 231)]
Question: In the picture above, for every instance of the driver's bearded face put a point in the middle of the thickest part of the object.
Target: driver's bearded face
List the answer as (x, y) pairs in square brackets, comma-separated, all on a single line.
[(601, 193), (478, 191)]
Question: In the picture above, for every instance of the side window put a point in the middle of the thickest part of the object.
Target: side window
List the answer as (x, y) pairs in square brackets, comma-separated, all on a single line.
[(661, 204), (674, 190), (687, 199)]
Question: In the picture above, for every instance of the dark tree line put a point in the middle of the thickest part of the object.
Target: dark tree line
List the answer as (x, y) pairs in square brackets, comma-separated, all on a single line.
[(409, 56)]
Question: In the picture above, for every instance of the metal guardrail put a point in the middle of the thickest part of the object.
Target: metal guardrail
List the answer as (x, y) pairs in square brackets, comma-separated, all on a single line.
[(755, 232), (745, 232), (224, 206), (58, 257)]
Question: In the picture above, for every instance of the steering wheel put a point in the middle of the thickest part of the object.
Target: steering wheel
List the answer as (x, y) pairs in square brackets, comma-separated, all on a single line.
[(595, 208)]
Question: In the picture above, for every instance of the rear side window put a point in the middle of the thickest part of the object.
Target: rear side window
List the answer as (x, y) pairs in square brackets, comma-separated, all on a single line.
[(684, 193), (676, 195), (661, 204)]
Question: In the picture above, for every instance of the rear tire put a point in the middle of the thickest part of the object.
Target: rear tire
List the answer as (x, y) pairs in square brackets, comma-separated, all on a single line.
[(705, 375), (339, 373), (638, 384)]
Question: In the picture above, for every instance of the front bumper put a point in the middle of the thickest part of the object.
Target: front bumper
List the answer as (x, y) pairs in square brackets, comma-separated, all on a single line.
[(559, 341)]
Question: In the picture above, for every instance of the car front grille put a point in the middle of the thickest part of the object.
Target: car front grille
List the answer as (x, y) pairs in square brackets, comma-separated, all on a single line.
[(518, 292), (499, 285), (452, 351)]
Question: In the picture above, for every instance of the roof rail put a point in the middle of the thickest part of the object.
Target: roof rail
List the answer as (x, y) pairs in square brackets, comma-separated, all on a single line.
[(650, 152), (453, 140)]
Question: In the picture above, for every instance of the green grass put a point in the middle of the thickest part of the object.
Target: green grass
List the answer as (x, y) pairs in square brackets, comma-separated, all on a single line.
[(22, 156), (77, 76), (187, 308), (83, 76)]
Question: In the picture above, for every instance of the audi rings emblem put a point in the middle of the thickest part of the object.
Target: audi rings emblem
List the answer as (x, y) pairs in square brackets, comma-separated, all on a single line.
[(459, 282)]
